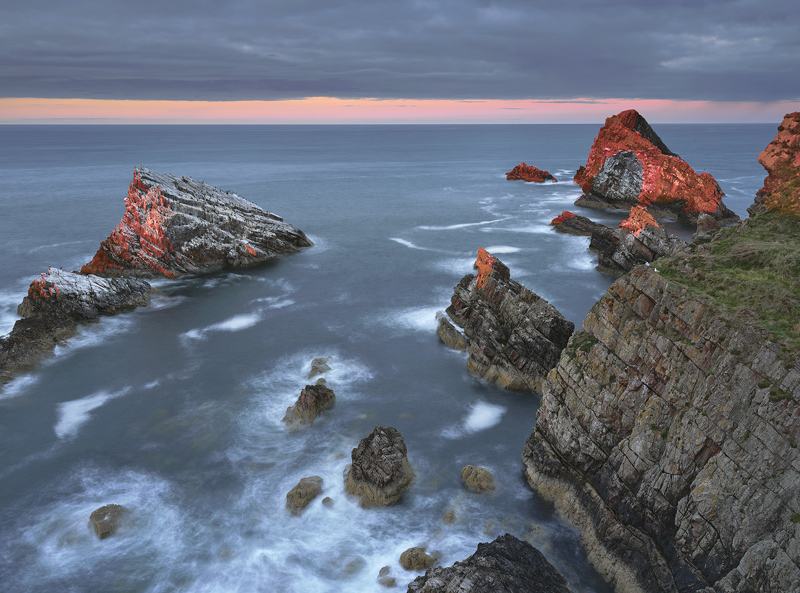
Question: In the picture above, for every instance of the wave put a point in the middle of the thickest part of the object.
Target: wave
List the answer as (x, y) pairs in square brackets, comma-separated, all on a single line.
[(481, 416), (409, 244), (499, 249), (461, 226), (73, 414), (234, 324), (17, 386)]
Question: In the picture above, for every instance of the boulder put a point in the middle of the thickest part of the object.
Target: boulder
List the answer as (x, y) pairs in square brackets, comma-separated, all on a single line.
[(417, 560), (525, 172), (477, 479), (515, 336), (506, 565), (319, 366), (313, 400), (299, 497), (106, 520), (176, 225), (380, 472), (707, 227), (574, 224)]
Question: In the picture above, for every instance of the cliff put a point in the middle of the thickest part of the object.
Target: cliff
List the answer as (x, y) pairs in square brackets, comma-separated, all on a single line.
[(669, 428), (629, 165), (525, 172), (515, 336), (174, 226), (781, 159)]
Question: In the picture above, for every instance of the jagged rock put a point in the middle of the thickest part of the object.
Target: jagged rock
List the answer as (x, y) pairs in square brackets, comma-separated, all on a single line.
[(319, 366), (525, 172), (477, 479), (106, 520), (574, 224), (416, 559), (299, 497), (313, 400), (451, 337), (176, 225), (515, 336), (706, 228), (781, 159), (506, 565), (668, 432), (56, 303), (629, 165), (380, 473)]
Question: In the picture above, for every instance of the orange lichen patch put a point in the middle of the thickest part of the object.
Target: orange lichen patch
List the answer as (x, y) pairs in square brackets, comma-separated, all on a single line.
[(41, 288), (781, 159), (526, 172), (251, 251), (638, 219), (563, 217), (664, 178), (484, 264)]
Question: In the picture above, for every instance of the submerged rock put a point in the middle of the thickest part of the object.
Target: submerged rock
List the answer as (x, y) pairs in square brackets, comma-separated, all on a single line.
[(380, 473), (313, 400), (106, 520), (176, 225), (477, 479), (525, 172), (506, 565), (417, 559), (299, 497), (515, 336)]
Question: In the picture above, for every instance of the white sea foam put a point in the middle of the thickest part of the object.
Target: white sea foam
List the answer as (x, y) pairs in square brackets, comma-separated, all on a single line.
[(457, 266), (481, 416), (234, 324), (75, 413), (408, 244), (461, 226), (92, 335), (18, 386), (500, 249)]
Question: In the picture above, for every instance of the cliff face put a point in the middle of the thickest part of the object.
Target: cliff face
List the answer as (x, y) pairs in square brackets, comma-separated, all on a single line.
[(629, 165), (177, 225), (781, 159), (669, 429)]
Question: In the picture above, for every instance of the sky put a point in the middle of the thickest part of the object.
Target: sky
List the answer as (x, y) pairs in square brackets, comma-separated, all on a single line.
[(418, 61)]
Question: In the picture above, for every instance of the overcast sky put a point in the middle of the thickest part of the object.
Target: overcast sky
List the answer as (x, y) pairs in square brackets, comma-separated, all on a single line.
[(427, 49)]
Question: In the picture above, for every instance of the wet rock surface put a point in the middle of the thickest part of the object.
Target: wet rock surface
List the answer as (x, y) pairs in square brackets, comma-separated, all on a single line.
[(313, 400), (177, 225), (299, 497), (506, 565), (380, 472), (515, 336), (417, 559), (477, 479), (106, 520)]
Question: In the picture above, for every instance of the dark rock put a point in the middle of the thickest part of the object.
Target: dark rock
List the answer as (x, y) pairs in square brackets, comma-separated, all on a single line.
[(477, 479), (525, 172), (175, 226), (380, 473), (106, 520), (416, 559), (574, 224), (313, 400), (319, 366), (506, 565), (620, 250), (515, 336), (299, 497)]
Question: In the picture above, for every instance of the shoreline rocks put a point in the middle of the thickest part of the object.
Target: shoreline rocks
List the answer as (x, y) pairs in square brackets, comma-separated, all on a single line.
[(380, 473), (525, 172), (176, 225), (313, 400)]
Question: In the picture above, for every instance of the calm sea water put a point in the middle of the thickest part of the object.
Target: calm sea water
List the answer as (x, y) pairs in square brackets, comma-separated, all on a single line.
[(175, 410)]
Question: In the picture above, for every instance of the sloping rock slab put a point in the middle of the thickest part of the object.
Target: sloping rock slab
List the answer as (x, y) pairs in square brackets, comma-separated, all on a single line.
[(176, 225)]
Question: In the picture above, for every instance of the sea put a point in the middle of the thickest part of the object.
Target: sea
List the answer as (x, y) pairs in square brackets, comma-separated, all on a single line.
[(174, 410)]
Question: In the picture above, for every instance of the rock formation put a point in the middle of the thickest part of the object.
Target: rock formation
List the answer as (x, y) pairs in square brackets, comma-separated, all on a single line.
[(506, 565), (380, 473), (56, 303), (574, 224), (781, 159), (525, 172), (630, 166), (515, 336), (417, 559), (319, 366), (106, 520), (174, 226), (299, 497), (477, 479), (313, 400)]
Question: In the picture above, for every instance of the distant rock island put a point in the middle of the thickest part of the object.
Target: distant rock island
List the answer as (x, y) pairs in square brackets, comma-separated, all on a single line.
[(525, 172)]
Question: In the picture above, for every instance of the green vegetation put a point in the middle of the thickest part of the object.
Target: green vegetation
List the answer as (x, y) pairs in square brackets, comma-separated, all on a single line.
[(795, 518), (756, 267), (580, 340)]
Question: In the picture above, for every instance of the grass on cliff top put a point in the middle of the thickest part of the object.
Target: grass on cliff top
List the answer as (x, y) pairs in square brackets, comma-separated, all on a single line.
[(755, 267)]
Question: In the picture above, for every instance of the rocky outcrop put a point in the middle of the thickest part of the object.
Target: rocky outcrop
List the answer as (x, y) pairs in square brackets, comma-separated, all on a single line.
[(417, 559), (515, 336), (56, 303), (313, 400), (477, 479), (380, 473), (306, 490), (574, 224), (319, 366), (669, 429), (525, 172), (506, 565), (176, 225), (629, 165), (106, 520), (781, 159)]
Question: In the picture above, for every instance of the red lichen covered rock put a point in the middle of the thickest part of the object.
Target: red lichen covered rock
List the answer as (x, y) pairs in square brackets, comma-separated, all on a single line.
[(574, 224), (485, 264), (639, 218), (563, 217), (629, 165), (526, 172), (781, 159), (176, 225)]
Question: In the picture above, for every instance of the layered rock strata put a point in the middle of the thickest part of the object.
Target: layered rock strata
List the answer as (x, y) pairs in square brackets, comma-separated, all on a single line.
[(781, 159), (380, 473), (629, 165), (56, 303), (575, 224), (515, 336), (176, 225), (506, 565), (524, 172)]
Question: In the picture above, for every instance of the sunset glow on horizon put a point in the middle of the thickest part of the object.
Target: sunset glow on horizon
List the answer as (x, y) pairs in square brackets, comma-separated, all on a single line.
[(331, 110)]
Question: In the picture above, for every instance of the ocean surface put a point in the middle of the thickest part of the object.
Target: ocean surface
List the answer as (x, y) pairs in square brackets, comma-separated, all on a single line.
[(174, 410)]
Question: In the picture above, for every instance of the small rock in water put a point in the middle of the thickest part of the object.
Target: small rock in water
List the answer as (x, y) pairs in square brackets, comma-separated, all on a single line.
[(384, 571), (388, 582), (313, 400), (477, 479), (380, 472), (449, 517), (416, 559), (327, 501), (300, 496), (319, 366), (106, 519), (354, 566)]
